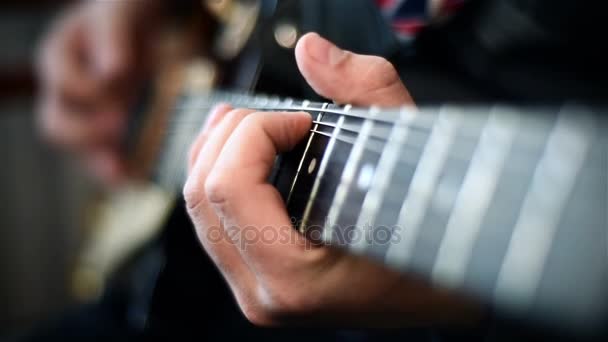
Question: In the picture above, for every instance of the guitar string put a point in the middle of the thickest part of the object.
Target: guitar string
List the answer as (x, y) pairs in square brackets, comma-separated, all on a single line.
[(381, 139), (460, 155), (324, 111), (529, 145), (421, 126), (264, 103), (260, 103)]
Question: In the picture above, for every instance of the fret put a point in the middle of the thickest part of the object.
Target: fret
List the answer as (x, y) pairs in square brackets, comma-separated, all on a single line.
[(444, 197), (541, 210), (575, 274), (332, 175), (287, 103), (385, 222), (310, 160), (322, 167), (422, 187), (319, 116), (502, 212), (348, 175), (274, 102), (474, 198), (382, 176)]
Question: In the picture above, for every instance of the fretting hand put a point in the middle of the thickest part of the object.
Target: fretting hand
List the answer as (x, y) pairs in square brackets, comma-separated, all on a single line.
[(232, 205)]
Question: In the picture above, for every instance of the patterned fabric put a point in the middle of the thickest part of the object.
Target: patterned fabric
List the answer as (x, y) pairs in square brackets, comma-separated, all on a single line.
[(408, 17)]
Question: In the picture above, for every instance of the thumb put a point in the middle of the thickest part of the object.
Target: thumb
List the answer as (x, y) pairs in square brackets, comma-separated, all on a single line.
[(346, 77), (112, 51)]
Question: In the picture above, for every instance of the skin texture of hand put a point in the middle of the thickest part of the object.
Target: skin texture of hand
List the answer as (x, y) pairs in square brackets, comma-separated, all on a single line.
[(230, 202), (90, 64)]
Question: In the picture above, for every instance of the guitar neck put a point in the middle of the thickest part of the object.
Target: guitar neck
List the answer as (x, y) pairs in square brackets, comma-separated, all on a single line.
[(508, 204)]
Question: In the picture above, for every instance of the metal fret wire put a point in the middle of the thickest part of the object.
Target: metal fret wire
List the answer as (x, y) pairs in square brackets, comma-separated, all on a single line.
[(347, 177), (382, 176), (475, 195), (543, 205), (320, 174), (295, 179), (421, 189)]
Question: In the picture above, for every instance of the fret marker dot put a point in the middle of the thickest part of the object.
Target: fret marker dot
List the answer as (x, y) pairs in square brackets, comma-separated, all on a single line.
[(286, 35), (312, 166), (366, 175)]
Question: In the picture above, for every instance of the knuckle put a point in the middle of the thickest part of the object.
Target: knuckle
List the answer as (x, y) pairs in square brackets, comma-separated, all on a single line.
[(283, 301), (383, 64), (251, 303), (218, 187), (195, 148), (253, 119), (343, 59), (237, 115), (193, 195), (257, 316), (192, 154), (387, 74)]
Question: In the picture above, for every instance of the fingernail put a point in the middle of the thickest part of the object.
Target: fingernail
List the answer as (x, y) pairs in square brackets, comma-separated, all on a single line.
[(303, 115), (323, 51)]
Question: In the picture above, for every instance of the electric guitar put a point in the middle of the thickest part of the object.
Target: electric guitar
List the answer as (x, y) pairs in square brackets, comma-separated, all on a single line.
[(506, 204)]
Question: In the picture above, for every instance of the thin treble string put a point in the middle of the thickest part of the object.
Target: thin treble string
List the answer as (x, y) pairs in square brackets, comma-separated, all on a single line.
[(265, 103), (456, 155), (257, 102), (461, 154), (373, 134)]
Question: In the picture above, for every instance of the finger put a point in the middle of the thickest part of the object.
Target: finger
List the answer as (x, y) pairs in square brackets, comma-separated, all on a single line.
[(215, 117), (216, 241), (64, 125), (61, 62), (111, 41), (370, 80), (248, 205)]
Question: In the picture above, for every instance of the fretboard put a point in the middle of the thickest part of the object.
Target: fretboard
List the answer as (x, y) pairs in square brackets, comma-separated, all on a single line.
[(508, 204)]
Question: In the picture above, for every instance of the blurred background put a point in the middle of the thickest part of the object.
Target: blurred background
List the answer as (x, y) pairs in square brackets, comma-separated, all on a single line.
[(40, 235)]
